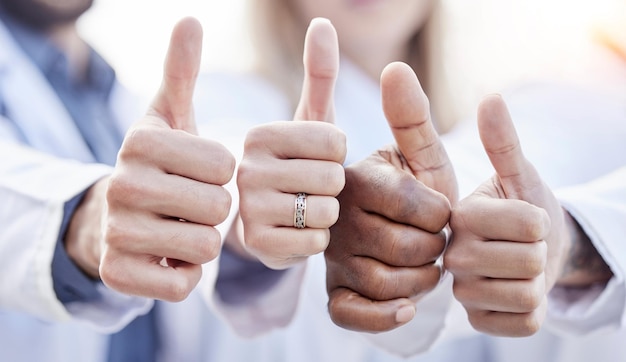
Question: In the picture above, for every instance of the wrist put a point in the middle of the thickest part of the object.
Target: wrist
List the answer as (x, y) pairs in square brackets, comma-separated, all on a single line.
[(584, 265), (83, 237)]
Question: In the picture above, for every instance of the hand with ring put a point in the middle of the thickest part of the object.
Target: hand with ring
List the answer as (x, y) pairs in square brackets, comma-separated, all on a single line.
[(292, 171)]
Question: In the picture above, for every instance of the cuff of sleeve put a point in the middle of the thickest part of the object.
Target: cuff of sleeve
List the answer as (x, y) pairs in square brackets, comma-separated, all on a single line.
[(274, 308), (242, 281), (69, 282), (111, 312), (600, 307)]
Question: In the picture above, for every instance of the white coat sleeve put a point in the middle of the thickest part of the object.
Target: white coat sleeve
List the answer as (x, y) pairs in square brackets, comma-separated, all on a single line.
[(600, 209), (34, 188)]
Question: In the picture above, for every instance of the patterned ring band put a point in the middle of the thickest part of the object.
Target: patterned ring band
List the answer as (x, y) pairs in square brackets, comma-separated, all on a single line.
[(299, 216)]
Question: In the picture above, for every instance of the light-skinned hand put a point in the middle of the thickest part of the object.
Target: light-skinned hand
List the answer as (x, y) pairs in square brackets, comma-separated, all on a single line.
[(284, 158), (510, 239), (165, 196)]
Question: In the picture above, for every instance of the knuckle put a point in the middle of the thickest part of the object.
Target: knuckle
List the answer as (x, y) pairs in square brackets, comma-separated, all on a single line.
[(225, 164), (258, 242), (534, 262), (530, 298), (249, 209), (116, 234), (254, 244), (209, 246), (318, 241), (258, 136), (339, 309), (530, 325), (335, 179), (456, 262), (329, 212), (221, 204), (404, 250), (381, 283), (244, 171), (178, 290), (403, 205), (112, 273), (124, 189), (461, 293), (138, 141), (532, 225), (477, 320), (336, 144), (525, 325)]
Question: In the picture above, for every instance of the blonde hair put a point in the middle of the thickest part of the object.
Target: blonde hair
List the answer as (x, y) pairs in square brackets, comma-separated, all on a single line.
[(277, 36)]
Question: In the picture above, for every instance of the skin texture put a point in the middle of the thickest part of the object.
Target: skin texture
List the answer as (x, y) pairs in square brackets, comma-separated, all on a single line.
[(393, 210), (158, 209), (510, 240), (305, 155)]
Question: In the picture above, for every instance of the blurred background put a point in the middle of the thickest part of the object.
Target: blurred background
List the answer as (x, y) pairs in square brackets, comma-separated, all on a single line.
[(489, 44)]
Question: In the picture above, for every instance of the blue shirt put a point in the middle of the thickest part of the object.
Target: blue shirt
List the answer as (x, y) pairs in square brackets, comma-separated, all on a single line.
[(86, 99)]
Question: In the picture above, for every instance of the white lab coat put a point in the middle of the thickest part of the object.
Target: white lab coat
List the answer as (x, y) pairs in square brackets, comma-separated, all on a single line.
[(44, 162), (592, 139)]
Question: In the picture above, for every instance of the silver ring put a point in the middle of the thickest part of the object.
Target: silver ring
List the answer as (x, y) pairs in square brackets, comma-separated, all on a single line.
[(299, 216)]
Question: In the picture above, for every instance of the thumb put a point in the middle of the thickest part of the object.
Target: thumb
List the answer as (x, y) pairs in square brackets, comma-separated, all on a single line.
[(407, 110), (173, 102), (321, 65), (502, 145)]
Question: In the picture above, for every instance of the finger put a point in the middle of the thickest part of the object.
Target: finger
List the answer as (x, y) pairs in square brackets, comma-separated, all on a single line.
[(320, 211), (502, 145), (170, 196), (179, 153), (497, 259), (292, 176), (393, 244), (321, 65), (378, 281), (184, 241), (351, 311), (323, 141), (501, 295), (398, 196), (496, 219), (148, 278), (407, 111), (508, 324), (182, 64), (278, 246)]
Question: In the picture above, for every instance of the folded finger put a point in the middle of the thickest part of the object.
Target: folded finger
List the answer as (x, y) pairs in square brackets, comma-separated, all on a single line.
[(378, 281), (144, 276), (352, 311), (394, 244), (169, 238)]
